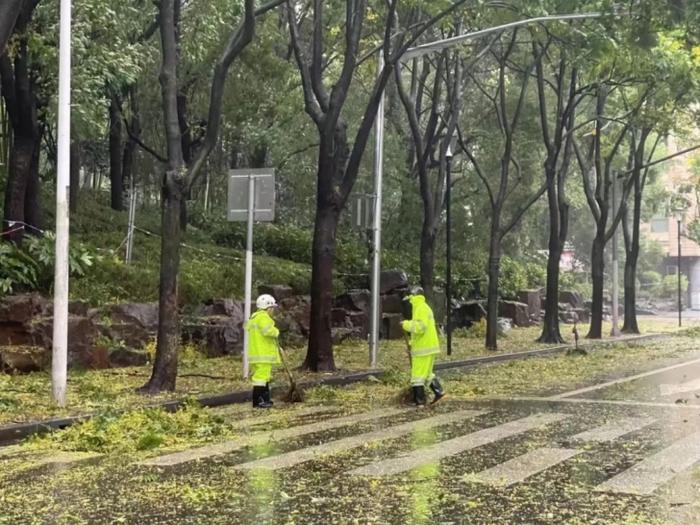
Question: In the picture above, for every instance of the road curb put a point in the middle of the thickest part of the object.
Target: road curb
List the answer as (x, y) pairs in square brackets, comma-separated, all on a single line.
[(17, 431)]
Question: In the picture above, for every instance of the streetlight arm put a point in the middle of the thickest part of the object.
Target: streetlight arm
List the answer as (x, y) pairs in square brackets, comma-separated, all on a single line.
[(432, 47)]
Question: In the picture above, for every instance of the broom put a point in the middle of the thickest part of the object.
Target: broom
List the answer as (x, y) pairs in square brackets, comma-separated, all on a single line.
[(407, 395), (295, 394)]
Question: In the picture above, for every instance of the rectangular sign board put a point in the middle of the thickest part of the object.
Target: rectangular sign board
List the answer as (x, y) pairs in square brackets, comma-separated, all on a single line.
[(238, 184), (362, 211)]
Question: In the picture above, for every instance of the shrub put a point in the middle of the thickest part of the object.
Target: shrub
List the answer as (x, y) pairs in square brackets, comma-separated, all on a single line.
[(513, 277), (30, 267), (669, 286), (650, 278)]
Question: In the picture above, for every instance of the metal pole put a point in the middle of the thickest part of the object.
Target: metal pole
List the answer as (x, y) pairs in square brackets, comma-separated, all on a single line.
[(439, 45), (59, 363), (377, 226), (132, 220), (615, 331), (680, 304), (248, 268), (448, 251)]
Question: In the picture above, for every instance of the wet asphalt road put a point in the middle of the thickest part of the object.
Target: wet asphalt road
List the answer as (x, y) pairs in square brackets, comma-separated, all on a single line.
[(626, 451)]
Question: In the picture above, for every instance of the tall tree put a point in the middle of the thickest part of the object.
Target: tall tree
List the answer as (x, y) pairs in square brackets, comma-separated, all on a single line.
[(597, 174), (432, 107), (556, 123), (179, 177), (507, 114), (339, 158), (631, 226)]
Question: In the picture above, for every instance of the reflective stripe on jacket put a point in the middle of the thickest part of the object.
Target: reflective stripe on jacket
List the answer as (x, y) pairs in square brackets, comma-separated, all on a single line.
[(424, 337), (262, 342)]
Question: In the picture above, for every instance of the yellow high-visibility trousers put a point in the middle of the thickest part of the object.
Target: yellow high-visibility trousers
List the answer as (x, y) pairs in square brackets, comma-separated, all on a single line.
[(422, 370), (262, 373)]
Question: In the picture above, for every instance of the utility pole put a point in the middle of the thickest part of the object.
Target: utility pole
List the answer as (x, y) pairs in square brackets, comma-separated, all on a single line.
[(59, 362), (377, 225), (448, 248), (615, 331)]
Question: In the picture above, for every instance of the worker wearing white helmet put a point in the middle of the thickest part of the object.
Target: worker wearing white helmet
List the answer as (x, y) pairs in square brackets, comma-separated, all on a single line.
[(263, 350)]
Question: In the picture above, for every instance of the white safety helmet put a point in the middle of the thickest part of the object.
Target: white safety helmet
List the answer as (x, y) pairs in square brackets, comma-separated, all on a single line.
[(265, 301)]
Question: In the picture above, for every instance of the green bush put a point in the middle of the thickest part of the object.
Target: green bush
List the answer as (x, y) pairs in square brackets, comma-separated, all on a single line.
[(669, 286), (513, 278), (30, 267), (650, 278)]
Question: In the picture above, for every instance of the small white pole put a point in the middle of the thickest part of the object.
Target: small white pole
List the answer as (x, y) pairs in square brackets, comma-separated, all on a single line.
[(248, 268), (132, 220), (615, 331), (377, 226), (59, 363)]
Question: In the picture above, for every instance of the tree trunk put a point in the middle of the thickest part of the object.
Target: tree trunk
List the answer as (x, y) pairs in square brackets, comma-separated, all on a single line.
[(19, 174), (319, 357), (427, 255), (598, 277), (164, 373), (116, 177), (550, 328), (494, 270), (630, 325), (75, 161), (32, 202)]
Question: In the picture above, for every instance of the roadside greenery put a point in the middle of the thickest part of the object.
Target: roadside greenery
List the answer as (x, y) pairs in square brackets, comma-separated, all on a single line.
[(25, 397)]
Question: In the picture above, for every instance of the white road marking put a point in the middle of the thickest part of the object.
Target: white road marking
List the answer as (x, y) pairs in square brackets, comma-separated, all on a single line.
[(623, 380), (679, 388), (341, 445), (520, 468), (276, 435), (614, 429), (645, 477), (456, 445)]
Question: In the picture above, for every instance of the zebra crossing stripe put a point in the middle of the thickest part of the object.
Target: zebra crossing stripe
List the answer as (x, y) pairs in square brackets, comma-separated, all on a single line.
[(645, 477), (614, 429), (341, 445), (520, 468), (227, 447), (451, 447)]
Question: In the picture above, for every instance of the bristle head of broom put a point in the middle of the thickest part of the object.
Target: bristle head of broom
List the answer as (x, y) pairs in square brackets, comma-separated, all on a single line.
[(294, 395)]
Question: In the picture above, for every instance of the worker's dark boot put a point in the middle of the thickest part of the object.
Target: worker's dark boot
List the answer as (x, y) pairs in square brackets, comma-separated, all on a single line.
[(436, 387), (419, 395), (268, 396), (259, 400)]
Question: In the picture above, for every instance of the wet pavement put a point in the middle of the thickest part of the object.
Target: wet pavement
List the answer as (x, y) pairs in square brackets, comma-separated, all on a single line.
[(625, 451)]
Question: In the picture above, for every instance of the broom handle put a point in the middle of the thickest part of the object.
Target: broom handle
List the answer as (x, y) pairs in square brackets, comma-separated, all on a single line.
[(408, 348), (284, 365)]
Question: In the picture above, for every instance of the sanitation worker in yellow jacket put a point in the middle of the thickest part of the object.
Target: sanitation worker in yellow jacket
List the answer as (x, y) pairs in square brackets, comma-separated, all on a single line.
[(263, 349), (425, 345)]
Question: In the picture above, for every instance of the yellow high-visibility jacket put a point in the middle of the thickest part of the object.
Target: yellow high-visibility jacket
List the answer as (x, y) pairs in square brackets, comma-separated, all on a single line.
[(424, 337), (262, 342)]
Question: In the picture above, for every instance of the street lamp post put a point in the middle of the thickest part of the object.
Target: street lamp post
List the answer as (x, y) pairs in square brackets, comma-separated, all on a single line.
[(59, 362), (448, 248), (615, 331), (680, 303)]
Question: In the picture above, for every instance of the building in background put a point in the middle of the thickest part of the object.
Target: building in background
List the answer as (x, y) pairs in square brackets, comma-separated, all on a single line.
[(663, 228)]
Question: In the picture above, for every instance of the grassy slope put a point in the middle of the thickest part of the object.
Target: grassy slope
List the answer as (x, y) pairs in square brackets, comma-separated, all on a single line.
[(207, 270)]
